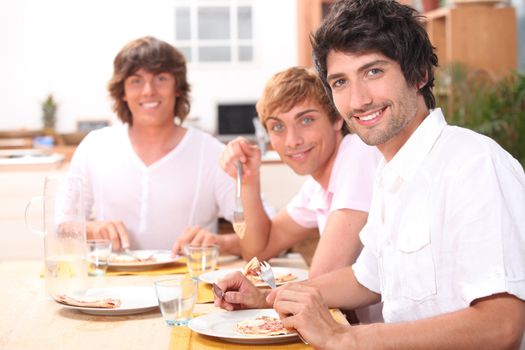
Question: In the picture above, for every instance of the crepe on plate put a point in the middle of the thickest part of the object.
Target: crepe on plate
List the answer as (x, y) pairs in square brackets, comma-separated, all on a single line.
[(262, 325)]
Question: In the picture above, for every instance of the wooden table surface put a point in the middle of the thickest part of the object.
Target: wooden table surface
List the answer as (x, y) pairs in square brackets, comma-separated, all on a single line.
[(29, 319)]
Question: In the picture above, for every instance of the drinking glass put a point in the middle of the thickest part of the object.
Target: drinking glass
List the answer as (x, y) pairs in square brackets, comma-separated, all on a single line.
[(177, 298), (99, 251), (201, 258)]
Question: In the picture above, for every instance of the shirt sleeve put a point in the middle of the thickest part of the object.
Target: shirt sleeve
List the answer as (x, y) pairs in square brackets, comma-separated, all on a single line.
[(366, 268), (299, 209), (489, 227)]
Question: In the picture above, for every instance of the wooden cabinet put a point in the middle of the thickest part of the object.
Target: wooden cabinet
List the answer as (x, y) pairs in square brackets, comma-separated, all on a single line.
[(310, 13), (482, 37)]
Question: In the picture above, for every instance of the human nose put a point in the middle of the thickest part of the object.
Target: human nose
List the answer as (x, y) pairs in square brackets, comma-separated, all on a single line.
[(293, 137), (148, 88), (360, 96)]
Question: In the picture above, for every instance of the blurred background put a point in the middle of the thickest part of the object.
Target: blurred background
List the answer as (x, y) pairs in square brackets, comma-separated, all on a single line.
[(57, 58), (65, 49)]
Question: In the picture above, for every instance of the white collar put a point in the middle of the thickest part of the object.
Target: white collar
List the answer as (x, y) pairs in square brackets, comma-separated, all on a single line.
[(410, 156)]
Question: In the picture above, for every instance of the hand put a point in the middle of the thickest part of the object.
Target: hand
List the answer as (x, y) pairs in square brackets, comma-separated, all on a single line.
[(195, 235), (112, 230), (240, 293), (301, 307), (247, 153)]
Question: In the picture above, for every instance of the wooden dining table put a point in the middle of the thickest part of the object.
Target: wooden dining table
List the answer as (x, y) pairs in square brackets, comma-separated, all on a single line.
[(30, 319)]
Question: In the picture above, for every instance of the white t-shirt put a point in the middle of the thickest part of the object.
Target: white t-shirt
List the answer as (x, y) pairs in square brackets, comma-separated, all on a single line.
[(156, 202), (446, 225), (350, 185)]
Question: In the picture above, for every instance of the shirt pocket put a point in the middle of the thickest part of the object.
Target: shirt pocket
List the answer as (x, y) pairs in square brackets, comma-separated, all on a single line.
[(418, 272)]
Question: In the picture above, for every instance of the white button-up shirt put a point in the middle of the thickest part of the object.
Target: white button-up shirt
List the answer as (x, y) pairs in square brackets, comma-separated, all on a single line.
[(446, 224)]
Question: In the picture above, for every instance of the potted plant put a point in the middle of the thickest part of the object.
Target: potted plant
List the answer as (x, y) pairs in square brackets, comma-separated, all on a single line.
[(493, 107), (49, 108)]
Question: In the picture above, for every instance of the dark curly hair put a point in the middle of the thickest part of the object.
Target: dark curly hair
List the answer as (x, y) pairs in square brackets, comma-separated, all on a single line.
[(384, 26), (155, 56)]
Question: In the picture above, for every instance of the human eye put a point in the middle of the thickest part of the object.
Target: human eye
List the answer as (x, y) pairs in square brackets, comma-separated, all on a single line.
[(275, 127), (374, 71), (307, 120), (164, 77), (336, 83), (134, 80)]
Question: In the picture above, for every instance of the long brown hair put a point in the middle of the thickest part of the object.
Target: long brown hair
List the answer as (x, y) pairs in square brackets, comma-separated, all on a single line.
[(155, 56)]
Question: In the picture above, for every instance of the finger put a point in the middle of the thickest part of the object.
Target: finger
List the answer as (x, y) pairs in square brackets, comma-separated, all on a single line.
[(198, 238), (286, 308), (175, 248), (122, 234), (112, 234), (211, 238), (190, 233), (270, 298), (283, 292), (184, 239), (221, 303), (96, 233)]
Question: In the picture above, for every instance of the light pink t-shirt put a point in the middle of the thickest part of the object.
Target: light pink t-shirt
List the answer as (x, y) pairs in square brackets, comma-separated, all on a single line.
[(350, 186)]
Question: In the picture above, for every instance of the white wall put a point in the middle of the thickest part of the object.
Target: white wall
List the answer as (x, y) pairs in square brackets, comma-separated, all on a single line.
[(67, 48)]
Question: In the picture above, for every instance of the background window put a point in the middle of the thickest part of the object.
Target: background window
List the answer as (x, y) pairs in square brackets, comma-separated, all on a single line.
[(215, 31)]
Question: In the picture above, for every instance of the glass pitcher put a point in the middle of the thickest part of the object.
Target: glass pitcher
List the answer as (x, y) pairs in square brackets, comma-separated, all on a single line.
[(64, 234)]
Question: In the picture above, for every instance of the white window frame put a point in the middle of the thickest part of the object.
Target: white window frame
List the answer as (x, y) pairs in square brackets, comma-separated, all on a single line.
[(194, 43)]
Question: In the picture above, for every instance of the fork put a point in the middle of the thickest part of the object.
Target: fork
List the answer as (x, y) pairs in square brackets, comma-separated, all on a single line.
[(266, 274), (239, 225), (128, 252)]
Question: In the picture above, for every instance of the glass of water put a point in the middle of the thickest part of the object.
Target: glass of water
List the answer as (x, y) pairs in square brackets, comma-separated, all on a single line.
[(201, 258), (99, 251), (177, 298)]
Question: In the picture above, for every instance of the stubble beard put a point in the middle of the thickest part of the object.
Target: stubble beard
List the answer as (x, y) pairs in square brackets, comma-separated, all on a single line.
[(377, 135)]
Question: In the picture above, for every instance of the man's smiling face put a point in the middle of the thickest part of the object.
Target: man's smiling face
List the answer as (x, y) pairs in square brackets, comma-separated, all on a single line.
[(371, 93)]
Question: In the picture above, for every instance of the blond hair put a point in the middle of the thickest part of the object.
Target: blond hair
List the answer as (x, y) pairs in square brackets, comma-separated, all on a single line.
[(290, 87)]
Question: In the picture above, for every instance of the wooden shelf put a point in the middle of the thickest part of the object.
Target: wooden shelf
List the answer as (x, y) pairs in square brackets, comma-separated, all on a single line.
[(479, 36)]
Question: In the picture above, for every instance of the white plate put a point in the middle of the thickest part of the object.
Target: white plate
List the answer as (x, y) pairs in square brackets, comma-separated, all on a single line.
[(162, 257), (215, 276), (134, 300), (222, 325)]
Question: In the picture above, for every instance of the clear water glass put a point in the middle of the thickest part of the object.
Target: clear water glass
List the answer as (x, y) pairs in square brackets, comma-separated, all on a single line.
[(99, 251), (177, 298), (201, 258)]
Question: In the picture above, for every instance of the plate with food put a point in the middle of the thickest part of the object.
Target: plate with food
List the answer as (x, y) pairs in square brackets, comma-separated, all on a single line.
[(257, 326), (142, 259), (282, 275), (111, 301)]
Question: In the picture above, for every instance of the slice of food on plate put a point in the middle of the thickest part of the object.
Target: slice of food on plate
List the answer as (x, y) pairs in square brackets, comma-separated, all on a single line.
[(262, 326), (253, 268), (119, 258), (106, 303)]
